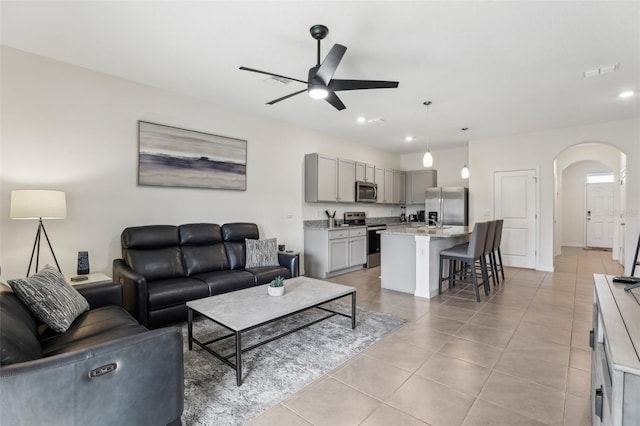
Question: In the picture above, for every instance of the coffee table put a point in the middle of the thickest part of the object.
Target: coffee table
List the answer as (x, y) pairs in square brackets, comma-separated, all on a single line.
[(243, 310)]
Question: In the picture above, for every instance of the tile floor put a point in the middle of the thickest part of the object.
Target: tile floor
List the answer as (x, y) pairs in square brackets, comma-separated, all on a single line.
[(519, 357)]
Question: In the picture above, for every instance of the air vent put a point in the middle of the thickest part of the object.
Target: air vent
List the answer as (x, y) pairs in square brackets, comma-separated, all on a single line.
[(605, 69), (376, 120)]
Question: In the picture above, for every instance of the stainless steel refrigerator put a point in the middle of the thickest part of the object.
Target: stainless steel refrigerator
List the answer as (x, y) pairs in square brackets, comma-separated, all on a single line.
[(449, 204)]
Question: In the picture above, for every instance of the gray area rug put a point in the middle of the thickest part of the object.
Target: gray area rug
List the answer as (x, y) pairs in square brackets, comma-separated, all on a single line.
[(275, 371)]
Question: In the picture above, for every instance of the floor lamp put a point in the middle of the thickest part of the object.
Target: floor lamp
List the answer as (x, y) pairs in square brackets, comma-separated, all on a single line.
[(38, 204)]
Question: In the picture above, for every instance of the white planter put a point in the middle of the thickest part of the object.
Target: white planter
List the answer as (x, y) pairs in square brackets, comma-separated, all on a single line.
[(275, 291)]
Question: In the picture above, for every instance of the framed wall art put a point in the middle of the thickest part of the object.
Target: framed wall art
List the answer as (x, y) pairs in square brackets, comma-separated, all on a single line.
[(170, 156)]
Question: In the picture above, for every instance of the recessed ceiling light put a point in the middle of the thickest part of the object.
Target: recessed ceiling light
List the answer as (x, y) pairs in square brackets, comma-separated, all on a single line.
[(408, 138), (361, 119), (626, 94)]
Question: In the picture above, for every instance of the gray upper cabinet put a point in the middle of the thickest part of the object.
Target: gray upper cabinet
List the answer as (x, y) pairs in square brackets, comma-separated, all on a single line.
[(388, 186), (379, 180), (417, 183), (365, 172), (329, 179), (399, 187)]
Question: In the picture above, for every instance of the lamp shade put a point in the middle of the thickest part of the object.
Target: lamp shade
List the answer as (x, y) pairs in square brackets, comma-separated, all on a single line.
[(36, 204), (464, 173), (427, 159)]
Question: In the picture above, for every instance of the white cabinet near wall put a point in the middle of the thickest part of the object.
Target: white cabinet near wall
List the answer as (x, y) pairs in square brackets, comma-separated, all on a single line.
[(329, 179), (379, 180), (330, 252), (417, 183), (399, 187)]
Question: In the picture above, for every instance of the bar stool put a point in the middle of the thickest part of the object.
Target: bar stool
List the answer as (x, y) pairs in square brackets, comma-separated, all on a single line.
[(468, 254), (488, 250), (496, 249)]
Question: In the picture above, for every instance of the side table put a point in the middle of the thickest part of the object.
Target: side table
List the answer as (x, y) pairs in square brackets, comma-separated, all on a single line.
[(94, 278)]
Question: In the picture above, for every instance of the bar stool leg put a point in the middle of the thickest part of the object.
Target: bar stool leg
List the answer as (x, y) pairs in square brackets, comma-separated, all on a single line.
[(440, 275), (501, 266), (474, 277)]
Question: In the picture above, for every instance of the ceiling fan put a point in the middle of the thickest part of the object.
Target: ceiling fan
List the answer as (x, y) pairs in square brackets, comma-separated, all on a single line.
[(320, 82)]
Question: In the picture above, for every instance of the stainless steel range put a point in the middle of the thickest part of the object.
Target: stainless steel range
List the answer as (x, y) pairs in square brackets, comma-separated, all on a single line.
[(373, 238)]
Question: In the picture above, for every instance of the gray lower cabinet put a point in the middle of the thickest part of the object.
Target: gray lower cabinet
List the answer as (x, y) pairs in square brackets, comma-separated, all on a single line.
[(330, 252), (615, 364)]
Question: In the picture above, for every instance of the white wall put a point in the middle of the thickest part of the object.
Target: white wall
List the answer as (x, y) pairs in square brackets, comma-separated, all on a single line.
[(573, 195), (72, 129), (537, 151), (448, 163)]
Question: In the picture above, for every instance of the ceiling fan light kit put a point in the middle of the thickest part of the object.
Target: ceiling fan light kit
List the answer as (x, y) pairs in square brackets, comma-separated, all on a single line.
[(320, 82)]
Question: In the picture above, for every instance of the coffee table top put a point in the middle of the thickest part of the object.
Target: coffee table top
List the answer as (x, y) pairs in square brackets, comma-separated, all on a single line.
[(246, 308)]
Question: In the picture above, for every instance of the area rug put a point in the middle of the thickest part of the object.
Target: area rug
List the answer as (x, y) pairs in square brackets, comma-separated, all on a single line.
[(275, 371)]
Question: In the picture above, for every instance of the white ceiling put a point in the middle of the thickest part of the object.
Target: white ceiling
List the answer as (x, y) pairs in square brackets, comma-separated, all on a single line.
[(498, 68)]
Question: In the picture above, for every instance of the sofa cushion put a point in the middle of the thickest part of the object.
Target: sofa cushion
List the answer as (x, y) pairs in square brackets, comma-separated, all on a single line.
[(156, 264), (235, 254), (261, 253), (237, 232), (199, 259), (95, 326), (50, 298), (18, 331), (266, 274), (225, 281), (174, 291), (199, 234), (149, 237)]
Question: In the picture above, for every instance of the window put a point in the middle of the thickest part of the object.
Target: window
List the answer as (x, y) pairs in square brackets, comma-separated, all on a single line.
[(600, 178)]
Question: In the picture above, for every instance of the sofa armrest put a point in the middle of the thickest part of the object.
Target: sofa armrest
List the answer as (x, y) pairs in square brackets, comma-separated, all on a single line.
[(134, 290), (146, 387), (289, 261), (101, 294)]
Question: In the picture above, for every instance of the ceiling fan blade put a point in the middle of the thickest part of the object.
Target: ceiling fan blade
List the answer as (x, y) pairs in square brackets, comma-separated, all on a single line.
[(334, 100), (330, 63), (286, 97), (338, 85), (272, 74)]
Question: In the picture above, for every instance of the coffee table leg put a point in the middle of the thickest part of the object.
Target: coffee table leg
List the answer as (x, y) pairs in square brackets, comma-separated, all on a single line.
[(190, 327), (238, 359), (353, 310)]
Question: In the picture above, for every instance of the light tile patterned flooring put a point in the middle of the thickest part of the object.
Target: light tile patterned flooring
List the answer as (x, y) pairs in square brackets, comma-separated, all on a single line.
[(519, 357)]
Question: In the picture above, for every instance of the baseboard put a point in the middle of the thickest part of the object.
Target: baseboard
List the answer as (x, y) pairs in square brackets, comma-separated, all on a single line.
[(545, 268), (579, 245)]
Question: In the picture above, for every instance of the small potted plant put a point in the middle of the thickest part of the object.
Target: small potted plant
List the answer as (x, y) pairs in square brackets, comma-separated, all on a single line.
[(276, 287)]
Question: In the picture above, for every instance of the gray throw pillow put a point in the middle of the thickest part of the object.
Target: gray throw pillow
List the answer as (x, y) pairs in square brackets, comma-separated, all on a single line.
[(261, 253), (50, 298)]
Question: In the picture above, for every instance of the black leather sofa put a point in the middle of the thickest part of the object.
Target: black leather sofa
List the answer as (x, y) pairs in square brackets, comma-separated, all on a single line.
[(165, 266), (46, 377)]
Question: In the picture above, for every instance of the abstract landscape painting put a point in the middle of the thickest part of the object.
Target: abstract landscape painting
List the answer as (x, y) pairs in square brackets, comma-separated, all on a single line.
[(170, 156)]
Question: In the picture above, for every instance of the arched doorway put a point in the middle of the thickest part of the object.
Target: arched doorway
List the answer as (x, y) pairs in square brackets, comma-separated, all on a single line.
[(571, 218)]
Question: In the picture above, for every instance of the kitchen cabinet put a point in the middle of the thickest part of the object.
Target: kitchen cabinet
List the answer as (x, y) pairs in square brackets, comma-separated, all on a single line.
[(329, 179), (399, 187), (379, 180), (417, 183), (388, 186), (365, 172), (330, 252), (615, 364)]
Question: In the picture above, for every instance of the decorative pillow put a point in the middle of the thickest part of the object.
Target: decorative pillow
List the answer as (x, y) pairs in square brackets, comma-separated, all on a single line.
[(50, 298), (261, 253)]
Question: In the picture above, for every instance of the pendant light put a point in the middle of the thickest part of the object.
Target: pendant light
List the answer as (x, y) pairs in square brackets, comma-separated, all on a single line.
[(464, 173), (427, 159)]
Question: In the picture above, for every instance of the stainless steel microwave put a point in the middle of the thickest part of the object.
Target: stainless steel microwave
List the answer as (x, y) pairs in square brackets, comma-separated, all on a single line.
[(366, 192)]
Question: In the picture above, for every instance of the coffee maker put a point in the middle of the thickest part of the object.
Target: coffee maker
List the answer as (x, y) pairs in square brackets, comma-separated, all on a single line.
[(403, 215), (421, 216)]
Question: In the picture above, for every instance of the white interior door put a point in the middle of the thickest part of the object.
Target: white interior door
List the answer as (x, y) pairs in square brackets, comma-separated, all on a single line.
[(515, 201), (599, 218)]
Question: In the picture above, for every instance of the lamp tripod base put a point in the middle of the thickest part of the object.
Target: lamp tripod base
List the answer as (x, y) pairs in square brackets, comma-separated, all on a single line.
[(36, 243)]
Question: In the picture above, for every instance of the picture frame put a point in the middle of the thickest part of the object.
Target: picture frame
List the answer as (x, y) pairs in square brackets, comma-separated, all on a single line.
[(175, 157)]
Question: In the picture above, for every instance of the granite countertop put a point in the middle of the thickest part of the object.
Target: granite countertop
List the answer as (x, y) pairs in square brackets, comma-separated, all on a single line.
[(412, 231), (324, 224)]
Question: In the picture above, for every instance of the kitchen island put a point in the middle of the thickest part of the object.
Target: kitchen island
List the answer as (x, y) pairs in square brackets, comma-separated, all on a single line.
[(410, 257)]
